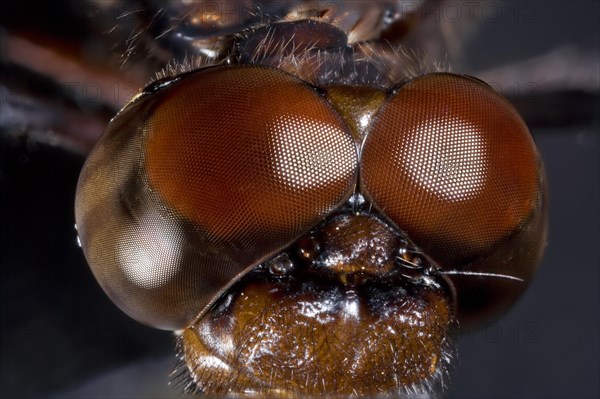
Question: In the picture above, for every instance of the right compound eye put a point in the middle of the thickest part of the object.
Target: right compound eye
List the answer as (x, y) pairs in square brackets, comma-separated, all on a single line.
[(452, 163), (194, 183)]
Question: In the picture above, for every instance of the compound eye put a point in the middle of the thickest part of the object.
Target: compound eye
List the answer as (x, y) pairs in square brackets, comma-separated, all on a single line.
[(451, 162), (248, 152), (204, 179)]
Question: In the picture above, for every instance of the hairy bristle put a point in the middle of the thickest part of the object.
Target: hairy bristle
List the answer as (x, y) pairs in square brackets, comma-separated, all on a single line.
[(187, 64)]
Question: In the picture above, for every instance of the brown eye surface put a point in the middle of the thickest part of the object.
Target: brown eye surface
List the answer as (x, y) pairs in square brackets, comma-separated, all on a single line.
[(248, 151), (195, 184), (452, 163)]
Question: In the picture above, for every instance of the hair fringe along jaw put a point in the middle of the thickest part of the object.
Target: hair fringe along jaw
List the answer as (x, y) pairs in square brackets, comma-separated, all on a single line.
[(186, 380)]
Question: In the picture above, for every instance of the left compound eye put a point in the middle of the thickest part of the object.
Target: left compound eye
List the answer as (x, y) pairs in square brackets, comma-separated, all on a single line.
[(250, 155), (452, 163), (197, 182)]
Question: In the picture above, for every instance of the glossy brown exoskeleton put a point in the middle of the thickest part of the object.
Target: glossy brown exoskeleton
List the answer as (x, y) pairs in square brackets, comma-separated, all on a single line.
[(313, 218)]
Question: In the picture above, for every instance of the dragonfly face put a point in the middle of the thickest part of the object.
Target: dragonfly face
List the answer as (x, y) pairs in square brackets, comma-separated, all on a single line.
[(312, 215)]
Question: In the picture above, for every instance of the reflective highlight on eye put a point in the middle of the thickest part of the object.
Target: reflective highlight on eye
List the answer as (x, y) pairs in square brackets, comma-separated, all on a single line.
[(198, 181), (451, 166), (233, 204), (230, 157), (149, 255), (452, 163), (301, 162)]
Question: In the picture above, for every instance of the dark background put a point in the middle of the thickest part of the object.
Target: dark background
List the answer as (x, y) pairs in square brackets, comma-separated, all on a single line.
[(61, 337)]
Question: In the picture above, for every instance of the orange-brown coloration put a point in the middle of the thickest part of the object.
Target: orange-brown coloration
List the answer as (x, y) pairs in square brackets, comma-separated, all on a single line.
[(359, 244), (343, 322), (220, 141), (242, 205), (188, 190), (282, 339), (356, 105), (452, 163), (309, 213)]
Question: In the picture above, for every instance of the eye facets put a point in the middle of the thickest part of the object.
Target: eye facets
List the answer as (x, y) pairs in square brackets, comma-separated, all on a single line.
[(239, 161), (274, 223), (452, 163), (221, 170)]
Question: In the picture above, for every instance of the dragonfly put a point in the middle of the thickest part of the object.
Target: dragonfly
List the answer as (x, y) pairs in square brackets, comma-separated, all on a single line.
[(267, 35)]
